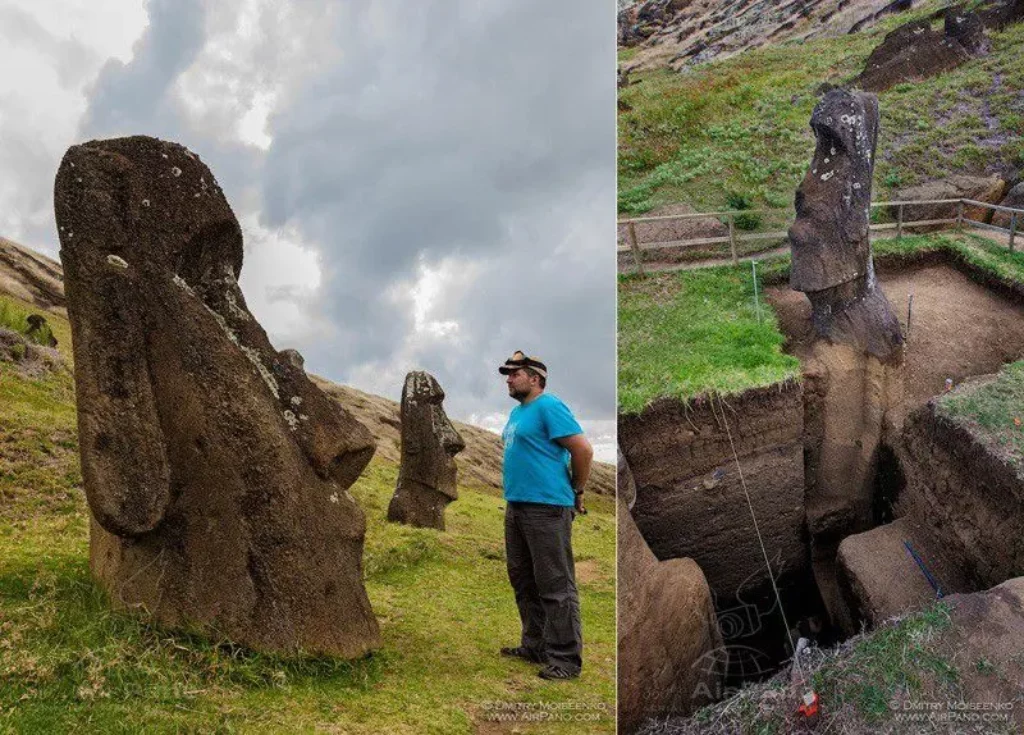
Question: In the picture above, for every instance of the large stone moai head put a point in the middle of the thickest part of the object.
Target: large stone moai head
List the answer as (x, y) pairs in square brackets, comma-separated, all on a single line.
[(216, 472), (427, 477), (830, 240)]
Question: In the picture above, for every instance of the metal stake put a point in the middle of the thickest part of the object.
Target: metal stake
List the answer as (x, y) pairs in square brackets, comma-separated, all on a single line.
[(757, 303)]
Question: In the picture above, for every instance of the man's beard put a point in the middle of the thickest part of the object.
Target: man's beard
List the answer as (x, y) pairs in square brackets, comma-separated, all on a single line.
[(519, 395)]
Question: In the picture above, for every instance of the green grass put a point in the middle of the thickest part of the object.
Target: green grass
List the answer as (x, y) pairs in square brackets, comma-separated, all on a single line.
[(741, 124), (892, 664), (993, 411), (70, 664), (697, 331)]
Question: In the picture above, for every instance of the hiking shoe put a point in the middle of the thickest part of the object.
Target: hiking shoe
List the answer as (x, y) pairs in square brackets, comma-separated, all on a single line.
[(557, 672), (527, 654)]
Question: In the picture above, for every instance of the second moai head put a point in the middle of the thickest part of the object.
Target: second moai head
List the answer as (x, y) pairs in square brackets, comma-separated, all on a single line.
[(427, 477)]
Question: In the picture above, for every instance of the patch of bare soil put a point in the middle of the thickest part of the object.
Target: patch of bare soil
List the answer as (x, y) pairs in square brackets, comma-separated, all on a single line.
[(958, 328)]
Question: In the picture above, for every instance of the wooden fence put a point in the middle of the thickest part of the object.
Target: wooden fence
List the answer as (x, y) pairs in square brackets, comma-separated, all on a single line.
[(733, 237)]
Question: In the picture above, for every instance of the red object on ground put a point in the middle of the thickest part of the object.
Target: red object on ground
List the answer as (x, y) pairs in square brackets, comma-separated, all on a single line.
[(809, 706)]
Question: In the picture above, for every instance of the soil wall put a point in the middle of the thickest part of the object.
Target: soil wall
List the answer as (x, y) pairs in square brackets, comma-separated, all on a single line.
[(689, 497), (964, 494)]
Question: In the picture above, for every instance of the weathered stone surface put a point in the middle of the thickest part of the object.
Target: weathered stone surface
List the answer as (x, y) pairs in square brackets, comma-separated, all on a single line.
[(217, 474), (668, 635), (36, 325), (914, 51), (427, 475), (1014, 198), (830, 238), (979, 188)]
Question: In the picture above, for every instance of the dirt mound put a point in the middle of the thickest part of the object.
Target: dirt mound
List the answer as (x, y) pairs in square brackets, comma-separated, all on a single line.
[(32, 277), (678, 33), (986, 639)]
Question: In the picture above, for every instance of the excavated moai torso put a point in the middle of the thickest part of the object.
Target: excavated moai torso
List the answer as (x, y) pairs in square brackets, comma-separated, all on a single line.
[(216, 472), (853, 377), (830, 240), (427, 477)]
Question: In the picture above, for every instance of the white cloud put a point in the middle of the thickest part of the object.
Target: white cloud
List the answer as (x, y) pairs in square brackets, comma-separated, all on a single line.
[(425, 186)]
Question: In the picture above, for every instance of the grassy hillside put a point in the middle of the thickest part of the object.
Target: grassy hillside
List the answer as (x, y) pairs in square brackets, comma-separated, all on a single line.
[(740, 126), (69, 664), (698, 331)]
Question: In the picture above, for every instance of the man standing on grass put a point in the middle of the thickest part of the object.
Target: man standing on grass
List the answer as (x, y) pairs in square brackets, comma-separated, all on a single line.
[(547, 463)]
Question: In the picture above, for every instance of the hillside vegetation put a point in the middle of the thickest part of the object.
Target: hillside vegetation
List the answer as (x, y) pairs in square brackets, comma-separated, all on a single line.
[(739, 127), (70, 664)]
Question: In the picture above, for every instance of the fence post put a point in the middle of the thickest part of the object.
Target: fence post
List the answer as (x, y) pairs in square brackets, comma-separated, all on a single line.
[(899, 222), (1013, 228), (960, 215), (631, 235), (732, 239)]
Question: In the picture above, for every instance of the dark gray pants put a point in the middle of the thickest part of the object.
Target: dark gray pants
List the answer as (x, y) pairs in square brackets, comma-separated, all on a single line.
[(538, 546)]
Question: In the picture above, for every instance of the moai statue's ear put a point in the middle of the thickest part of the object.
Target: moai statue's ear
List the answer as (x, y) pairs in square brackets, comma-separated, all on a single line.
[(124, 461)]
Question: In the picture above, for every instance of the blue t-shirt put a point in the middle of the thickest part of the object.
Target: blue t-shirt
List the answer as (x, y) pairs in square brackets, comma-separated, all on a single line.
[(536, 467)]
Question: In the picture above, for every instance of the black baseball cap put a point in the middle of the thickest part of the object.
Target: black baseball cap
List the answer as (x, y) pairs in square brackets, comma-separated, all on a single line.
[(521, 360)]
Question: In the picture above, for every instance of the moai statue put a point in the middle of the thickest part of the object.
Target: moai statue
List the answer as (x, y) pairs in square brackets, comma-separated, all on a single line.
[(830, 240), (426, 479), (853, 378), (216, 472)]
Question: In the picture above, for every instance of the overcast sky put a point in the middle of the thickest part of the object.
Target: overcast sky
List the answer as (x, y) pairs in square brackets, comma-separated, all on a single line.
[(421, 185)]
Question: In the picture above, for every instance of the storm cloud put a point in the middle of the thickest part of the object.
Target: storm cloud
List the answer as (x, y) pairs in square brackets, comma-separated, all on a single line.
[(422, 186)]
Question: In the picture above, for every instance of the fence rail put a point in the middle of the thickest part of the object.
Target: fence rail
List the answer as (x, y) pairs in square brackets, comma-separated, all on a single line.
[(637, 248)]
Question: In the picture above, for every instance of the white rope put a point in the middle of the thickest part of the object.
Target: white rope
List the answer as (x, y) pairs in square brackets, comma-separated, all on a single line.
[(764, 551)]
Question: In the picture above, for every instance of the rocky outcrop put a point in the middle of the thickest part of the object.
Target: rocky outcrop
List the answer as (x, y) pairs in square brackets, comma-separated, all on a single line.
[(915, 51), (31, 277), (979, 188), (1014, 198), (688, 32), (669, 641), (217, 474), (426, 476)]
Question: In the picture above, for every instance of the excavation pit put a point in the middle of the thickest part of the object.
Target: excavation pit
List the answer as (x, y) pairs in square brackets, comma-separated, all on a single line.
[(687, 455)]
